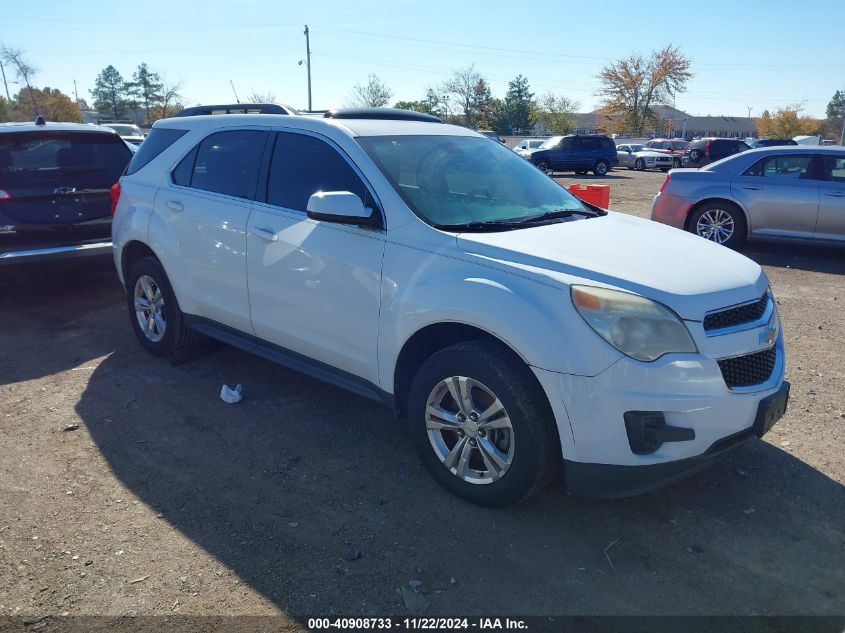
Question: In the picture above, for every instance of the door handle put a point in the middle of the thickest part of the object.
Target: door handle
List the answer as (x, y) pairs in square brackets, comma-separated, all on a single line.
[(264, 234), (752, 188), (835, 194), (174, 205)]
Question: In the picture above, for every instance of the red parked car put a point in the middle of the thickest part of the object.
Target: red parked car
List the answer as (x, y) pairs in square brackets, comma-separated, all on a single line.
[(673, 146)]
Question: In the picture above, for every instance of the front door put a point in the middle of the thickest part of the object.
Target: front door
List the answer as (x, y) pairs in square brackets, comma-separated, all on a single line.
[(314, 286)]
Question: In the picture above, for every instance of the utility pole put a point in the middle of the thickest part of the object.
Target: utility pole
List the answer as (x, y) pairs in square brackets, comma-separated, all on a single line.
[(6, 85), (75, 93), (232, 83), (749, 111), (308, 63), (842, 136)]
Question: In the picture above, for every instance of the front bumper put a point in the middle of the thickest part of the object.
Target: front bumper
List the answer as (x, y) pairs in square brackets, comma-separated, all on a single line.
[(51, 253), (608, 481)]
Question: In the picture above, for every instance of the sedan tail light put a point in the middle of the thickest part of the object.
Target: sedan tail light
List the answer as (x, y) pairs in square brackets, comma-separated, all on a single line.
[(665, 182), (707, 149), (114, 192)]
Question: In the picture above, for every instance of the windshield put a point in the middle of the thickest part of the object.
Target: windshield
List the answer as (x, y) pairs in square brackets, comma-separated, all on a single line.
[(551, 142), (459, 180)]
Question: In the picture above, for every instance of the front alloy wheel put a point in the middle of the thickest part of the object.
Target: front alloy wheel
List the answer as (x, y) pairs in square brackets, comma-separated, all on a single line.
[(469, 429)]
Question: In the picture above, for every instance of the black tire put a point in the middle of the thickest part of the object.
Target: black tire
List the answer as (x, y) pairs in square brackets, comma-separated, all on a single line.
[(676, 163), (664, 169), (715, 208), (178, 342), (536, 446), (695, 155), (601, 168), (639, 164), (545, 166)]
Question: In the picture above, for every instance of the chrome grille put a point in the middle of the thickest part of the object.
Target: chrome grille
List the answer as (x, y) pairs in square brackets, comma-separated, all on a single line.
[(747, 313), (749, 369)]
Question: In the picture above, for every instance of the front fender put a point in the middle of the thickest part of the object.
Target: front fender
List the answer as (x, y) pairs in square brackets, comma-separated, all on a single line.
[(537, 321)]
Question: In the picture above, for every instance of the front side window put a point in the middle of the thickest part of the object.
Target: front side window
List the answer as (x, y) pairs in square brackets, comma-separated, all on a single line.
[(789, 166), (451, 181), (227, 162), (303, 165), (552, 142)]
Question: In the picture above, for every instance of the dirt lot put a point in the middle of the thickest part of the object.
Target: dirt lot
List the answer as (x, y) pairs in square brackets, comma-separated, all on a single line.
[(165, 500)]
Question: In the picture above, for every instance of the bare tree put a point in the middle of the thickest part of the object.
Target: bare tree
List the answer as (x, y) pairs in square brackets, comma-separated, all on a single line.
[(373, 94), (462, 87), (631, 86), (24, 71), (257, 97), (170, 94)]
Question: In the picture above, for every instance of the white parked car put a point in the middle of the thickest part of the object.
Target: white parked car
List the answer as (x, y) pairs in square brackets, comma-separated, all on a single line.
[(637, 156), (528, 145), (513, 327), (129, 132)]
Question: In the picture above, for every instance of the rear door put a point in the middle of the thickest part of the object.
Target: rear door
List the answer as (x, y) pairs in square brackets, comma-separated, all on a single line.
[(831, 221), (563, 158), (780, 195), (57, 186), (200, 221)]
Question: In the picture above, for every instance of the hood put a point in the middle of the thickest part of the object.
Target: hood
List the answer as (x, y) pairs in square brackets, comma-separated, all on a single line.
[(683, 271)]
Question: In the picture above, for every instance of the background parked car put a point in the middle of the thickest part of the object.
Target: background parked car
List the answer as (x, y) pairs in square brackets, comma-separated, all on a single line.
[(786, 192), (128, 132), (580, 154), (526, 146), (673, 146), (769, 142), (491, 135), (54, 189), (708, 150), (636, 156)]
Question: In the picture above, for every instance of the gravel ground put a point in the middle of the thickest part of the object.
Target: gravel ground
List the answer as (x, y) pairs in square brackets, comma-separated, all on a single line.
[(165, 500)]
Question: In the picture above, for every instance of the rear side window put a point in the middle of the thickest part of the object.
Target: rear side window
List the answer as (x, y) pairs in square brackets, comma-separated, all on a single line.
[(227, 162), (302, 165), (41, 157), (606, 143), (789, 167), (158, 140)]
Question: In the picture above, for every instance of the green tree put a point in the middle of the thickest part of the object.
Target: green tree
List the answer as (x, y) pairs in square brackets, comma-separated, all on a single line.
[(835, 115), (146, 88), (516, 112), (487, 108), (555, 114), (431, 104), (5, 110), (786, 123), (633, 85), (109, 92)]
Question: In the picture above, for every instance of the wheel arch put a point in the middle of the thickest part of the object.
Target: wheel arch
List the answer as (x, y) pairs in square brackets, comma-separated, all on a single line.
[(723, 200), (131, 253)]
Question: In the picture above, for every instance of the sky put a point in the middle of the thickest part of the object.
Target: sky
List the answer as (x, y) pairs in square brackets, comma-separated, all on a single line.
[(762, 54)]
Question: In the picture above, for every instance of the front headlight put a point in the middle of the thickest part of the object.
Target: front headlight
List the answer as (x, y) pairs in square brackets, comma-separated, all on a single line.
[(638, 327)]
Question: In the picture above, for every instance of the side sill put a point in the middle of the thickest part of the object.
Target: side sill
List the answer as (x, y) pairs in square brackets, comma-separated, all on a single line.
[(290, 359)]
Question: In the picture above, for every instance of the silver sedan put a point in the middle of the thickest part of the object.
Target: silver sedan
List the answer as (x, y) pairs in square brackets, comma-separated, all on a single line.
[(637, 156), (782, 192)]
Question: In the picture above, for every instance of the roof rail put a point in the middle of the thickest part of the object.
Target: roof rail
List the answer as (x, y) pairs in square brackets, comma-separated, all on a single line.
[(391, 114), (237, 108)]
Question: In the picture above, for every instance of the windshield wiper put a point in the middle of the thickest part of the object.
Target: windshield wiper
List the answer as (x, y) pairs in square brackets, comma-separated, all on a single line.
[(481, 225), (554, 214)]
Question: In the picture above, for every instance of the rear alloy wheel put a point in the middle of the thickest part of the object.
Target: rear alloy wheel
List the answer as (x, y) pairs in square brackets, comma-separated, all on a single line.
[(601, 168), (545, 167), (482, 425), (719, 222), (639, 165)]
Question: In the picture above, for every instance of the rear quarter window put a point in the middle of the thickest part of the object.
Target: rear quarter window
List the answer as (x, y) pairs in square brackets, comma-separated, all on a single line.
[(156, 142)]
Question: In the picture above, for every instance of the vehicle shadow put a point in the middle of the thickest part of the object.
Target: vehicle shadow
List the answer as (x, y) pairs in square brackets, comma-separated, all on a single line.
[(64, 301), (285, 485), (815, 257)]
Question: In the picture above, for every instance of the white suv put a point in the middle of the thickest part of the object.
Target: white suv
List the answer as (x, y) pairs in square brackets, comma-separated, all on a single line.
[(513, 327)]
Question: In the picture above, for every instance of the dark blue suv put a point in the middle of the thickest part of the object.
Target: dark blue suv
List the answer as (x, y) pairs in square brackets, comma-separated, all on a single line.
[(576, 153)]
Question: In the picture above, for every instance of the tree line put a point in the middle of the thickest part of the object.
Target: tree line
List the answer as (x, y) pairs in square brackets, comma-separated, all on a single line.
[(630, 89)]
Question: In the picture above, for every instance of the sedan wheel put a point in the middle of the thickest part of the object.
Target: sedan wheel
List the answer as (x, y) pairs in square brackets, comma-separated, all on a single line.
[(639, 165), (469, 430), (716, 225), (545, 167)]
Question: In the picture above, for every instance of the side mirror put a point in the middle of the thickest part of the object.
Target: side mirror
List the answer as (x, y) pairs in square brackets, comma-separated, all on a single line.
[(343, 207)]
